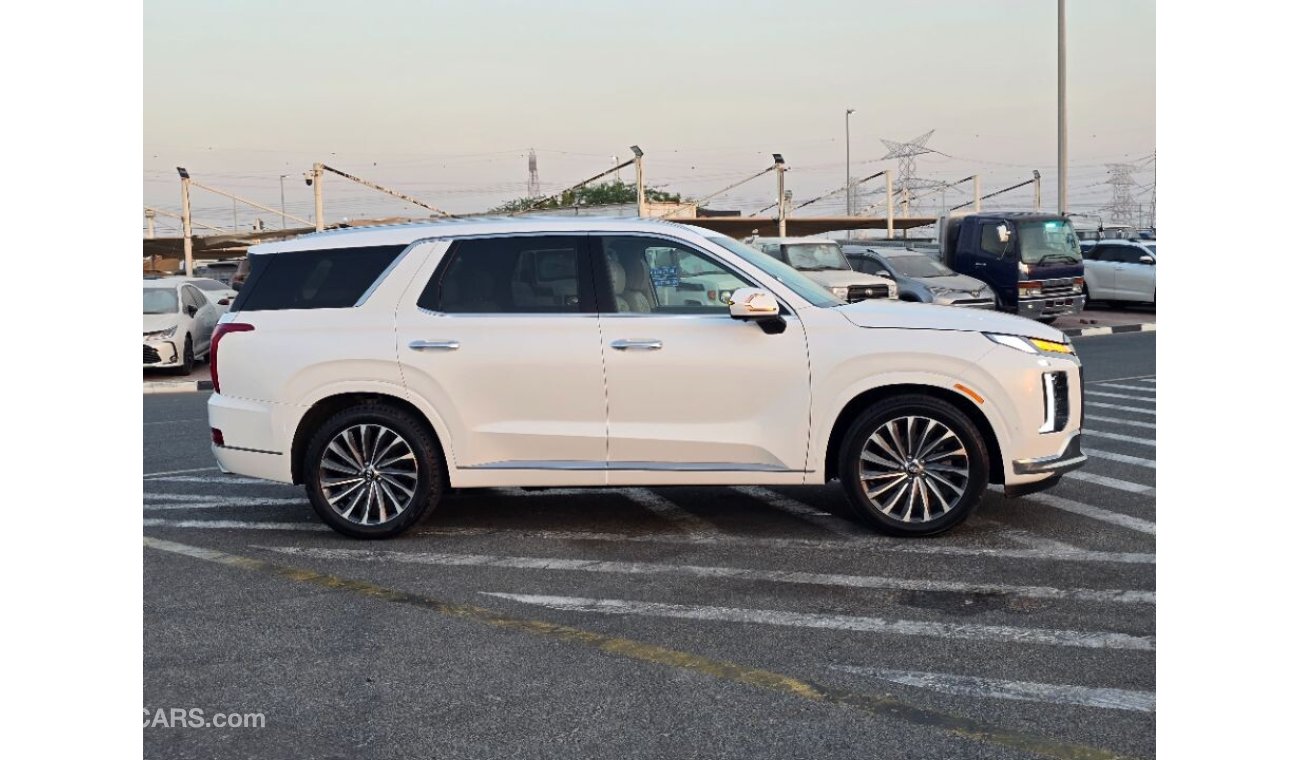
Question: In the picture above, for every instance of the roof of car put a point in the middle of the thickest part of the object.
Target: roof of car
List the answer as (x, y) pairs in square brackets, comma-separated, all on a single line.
[(789, 240), (405, 234)]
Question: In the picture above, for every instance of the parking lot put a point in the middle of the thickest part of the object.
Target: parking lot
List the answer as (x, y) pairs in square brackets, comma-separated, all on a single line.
[(661, 622)]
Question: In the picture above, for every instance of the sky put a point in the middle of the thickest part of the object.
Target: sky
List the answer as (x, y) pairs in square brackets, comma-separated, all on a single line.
[(443, 100)]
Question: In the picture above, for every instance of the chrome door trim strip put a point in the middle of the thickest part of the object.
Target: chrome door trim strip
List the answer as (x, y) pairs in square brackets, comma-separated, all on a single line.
[(577, 464)]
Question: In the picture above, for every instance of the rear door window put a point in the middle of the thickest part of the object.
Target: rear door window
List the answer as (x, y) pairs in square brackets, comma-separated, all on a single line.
[(534, 274), (326, 279)]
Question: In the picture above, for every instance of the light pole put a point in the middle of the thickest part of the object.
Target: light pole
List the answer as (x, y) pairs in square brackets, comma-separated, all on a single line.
[(780, 194), (283, 223), (1062, 155), (848, 182), (640, 182), (185, 220)]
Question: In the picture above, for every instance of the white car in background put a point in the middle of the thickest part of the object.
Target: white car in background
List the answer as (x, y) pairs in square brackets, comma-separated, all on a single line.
[(219, 293), (1120, 270), (380, 366), (178, 324)]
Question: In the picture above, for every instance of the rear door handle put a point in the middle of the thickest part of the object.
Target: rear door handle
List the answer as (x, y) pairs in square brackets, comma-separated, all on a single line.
[(434, 345), (981, 263), (636, 345)]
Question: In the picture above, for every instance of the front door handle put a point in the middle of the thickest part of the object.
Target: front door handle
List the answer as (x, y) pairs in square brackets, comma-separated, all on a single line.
[(636, 345), (434, 345), (981, 263)]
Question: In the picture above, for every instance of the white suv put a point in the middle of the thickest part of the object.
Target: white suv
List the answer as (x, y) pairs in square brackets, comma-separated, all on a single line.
[(380, 366)]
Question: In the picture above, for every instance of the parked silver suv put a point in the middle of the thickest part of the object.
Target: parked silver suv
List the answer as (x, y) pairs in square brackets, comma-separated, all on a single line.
[(822, 260)]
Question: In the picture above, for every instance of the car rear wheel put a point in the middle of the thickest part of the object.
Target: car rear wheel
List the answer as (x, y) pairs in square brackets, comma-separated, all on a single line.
[(913, 466), (372, 471)]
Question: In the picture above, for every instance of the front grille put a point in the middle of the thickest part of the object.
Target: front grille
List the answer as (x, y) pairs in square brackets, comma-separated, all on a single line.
[(1056, 402), (1062, 286), (863, 292), (151, 355)]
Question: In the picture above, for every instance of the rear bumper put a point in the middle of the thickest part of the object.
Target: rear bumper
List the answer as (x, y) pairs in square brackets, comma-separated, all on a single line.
[(255, 444)]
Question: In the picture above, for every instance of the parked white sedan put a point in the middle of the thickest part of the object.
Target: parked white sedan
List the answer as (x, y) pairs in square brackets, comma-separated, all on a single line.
[(219, 293), (178, 324), (1120, 270)]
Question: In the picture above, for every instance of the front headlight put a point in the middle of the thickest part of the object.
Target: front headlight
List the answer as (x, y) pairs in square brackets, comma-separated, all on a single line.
[(1035, 346), (1077, 286), (1031, 289), (161, 334), (841, 293)]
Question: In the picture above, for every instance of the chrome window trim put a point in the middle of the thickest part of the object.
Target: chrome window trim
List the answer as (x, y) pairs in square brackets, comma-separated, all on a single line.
[(383, 276)]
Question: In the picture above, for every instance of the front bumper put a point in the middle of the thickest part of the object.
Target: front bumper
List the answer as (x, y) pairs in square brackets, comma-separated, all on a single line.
[(161, 353), (1072, 458), (1056, 306)]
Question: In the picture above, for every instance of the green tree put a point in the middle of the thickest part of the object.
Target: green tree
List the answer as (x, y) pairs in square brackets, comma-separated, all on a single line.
[(605, 194)]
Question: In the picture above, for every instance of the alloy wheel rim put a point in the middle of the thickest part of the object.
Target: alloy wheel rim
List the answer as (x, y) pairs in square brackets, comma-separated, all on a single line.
[(368, 474), (914, 469)]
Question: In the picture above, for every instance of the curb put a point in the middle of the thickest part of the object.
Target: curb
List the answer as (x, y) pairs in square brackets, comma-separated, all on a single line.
[(178, 386), (1087, 332)]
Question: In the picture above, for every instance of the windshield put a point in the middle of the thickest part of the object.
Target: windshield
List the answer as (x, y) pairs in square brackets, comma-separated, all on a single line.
[(815, 257), (160, 301), (807, 289), (1044, 242), (919, 265)]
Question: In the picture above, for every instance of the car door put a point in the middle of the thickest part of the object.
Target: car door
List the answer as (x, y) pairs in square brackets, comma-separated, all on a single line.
[(1134, 279), (500, 337), (1099, 273), (691, 389), (204, 317)]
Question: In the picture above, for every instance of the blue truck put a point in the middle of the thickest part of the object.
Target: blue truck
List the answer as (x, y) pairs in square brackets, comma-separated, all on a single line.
[(1030, 260)]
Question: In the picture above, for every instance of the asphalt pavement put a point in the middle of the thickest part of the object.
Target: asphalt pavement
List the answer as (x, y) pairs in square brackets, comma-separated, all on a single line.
[(660, 622)]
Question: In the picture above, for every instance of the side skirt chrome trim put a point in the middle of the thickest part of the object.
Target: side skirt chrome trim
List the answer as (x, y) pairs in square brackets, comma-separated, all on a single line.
[(645, 466)]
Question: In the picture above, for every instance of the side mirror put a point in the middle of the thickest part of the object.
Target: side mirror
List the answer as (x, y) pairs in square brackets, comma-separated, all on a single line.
[(1147, 259), (236, 284), (191, 310), (884, 273), (753, 304)]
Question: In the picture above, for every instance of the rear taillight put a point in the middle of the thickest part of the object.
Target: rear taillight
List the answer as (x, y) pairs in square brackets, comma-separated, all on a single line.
[(222, 330)]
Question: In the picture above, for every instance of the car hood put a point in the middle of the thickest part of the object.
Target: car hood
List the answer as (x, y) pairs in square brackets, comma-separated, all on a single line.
[(917, 316), (155, 322), (843, 278), (952, 282)]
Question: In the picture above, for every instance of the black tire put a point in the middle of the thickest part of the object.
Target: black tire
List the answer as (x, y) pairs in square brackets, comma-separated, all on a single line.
[(427, 481), (976, 457), (187, 358)]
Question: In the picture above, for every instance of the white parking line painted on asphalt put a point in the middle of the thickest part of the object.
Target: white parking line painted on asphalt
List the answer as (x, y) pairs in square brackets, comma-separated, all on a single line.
[(220, 502), (1125, 458), (1091, 433), (179, 472), (1117, 386), (968, 631), (1023, 691), (218, 479), (1139, 378), (1151, 380), (831, 523), (668, 510), (233, 524), (1137, 409), (873, 544), (737, 573), (1022, 537), (1116, 483), (1118, 421), (1096, 513), (1129, 396)]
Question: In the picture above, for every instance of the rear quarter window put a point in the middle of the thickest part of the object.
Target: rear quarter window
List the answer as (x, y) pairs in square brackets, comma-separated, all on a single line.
[(328, 279)]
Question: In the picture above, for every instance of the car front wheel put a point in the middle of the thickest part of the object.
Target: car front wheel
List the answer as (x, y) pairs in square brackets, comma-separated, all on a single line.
[(913, 466), (372, 471)]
